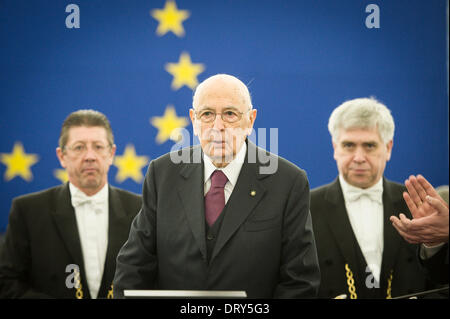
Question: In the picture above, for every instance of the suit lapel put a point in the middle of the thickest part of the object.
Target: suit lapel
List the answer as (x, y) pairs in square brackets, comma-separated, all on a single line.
[(340, 228), (64, 216), (339, 224), (117, 235), (241, 203), (190, 192), (390, 236), (66, 223)]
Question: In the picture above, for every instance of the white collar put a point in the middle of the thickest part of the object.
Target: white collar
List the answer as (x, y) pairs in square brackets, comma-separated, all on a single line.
[(231, 171), (346, 187), (100, 196)]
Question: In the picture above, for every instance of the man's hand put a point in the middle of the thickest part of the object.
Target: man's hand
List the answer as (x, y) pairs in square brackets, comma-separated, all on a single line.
[(418, 189), (430, 214)]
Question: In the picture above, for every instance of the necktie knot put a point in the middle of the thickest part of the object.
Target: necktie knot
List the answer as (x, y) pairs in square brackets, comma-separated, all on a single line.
[(218, 179), (80, 198), (374, 194)]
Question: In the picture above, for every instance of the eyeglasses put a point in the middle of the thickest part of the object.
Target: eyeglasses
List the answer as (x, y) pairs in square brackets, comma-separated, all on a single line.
[(228, 116), (80, 149)]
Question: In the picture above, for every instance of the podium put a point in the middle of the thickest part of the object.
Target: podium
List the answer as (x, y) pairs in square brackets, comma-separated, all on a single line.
[(423, 293), (185, 294)]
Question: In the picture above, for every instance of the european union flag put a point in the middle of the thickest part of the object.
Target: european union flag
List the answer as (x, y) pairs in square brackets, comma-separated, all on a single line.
[(139, 61)]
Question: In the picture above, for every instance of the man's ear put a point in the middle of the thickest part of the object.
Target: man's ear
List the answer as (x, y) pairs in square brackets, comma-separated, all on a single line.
[(389, 146), (113, 153), (253, 113), (60, 154), (192, 116), (334, 149), (252, 118)]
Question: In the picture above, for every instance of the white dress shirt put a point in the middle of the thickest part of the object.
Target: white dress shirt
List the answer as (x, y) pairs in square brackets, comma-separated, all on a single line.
[(366, 218), (231, 171), (92, 222)]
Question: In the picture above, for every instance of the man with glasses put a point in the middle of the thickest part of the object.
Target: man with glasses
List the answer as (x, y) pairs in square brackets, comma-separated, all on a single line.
[(62, 242), (218, 221)]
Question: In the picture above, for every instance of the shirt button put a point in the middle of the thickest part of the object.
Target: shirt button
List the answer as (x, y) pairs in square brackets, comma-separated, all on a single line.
[(210, 237)]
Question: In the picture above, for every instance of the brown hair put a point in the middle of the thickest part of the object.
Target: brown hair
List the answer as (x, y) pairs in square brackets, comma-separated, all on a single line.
[(87, 118)]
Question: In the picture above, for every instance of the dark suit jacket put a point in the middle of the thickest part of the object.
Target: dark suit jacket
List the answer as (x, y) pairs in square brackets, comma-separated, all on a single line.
[(42, 239), (265, 245), (436, 267), (337, 246)]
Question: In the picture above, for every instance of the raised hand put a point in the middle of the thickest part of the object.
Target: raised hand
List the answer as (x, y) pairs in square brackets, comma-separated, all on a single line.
[(430, 214)]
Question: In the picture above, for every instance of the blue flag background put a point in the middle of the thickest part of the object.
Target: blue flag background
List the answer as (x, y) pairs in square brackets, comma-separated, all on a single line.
[(300, 60)]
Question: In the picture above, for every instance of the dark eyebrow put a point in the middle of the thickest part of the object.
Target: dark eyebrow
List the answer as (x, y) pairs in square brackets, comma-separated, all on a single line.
[(84, 142)]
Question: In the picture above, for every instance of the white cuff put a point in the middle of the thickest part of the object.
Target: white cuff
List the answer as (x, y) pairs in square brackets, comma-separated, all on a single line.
[(427, 252)]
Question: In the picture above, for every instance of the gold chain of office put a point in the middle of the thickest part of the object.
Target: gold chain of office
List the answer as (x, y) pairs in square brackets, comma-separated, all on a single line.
[(352, 288), (350, 282), (79, 291)]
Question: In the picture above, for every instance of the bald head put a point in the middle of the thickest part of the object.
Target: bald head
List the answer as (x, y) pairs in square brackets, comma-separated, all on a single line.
[(222, 86)]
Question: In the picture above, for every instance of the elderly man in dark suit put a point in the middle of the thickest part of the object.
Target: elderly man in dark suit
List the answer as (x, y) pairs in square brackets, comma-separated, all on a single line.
[(229, 217), (360, 253), (63, 242)]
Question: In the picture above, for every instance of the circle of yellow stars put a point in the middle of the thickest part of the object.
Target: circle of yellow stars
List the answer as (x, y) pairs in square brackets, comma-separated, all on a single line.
[(18, 163), (184, 72), (130, 165), (170, 19), (168, 124)]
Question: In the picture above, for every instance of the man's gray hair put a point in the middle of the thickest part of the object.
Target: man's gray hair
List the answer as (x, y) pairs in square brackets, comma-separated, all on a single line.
[(363, 113)]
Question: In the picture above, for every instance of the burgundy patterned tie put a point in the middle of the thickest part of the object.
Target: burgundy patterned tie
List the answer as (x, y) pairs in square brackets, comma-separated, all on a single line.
[(215, 198)]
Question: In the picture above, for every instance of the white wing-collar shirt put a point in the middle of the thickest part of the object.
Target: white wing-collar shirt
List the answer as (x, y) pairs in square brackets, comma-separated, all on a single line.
[(365, 211), (91, 213)]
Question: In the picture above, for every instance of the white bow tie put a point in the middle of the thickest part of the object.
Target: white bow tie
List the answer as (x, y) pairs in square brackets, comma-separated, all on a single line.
[(80, 198), (374, 194)]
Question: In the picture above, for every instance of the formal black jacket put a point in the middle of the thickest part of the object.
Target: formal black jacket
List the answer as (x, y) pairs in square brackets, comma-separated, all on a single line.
[(265, 245), (337, 246), (436, 267), (42, 240)]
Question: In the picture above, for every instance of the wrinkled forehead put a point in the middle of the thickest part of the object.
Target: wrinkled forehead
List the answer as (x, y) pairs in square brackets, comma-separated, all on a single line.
[(87, 134), (226, 89)]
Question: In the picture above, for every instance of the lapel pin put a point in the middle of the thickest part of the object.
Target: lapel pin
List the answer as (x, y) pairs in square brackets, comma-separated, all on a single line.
[(252, 193)]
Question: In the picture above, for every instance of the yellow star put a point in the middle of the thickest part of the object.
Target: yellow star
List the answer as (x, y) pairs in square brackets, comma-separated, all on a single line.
[(130, 165), (184, 72), (168, 124), (18, 163), (170, 19), (61, 174)]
